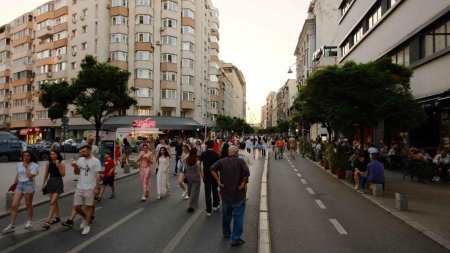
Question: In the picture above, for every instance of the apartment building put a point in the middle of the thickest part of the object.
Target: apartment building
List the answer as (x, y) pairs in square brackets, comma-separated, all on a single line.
[(170, 47), (413, 33), (232, 93), (316, 45)]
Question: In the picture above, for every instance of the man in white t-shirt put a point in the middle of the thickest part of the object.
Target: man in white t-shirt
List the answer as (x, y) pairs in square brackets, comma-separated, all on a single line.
[(88, 170), (244, 155)]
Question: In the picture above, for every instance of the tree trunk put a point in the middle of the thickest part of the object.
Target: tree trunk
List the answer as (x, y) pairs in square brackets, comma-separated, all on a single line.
[(97, 131)]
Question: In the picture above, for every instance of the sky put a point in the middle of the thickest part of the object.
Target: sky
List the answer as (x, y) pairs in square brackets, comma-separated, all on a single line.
[(257, 36)]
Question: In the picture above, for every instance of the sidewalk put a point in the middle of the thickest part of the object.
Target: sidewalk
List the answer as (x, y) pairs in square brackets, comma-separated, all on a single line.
[(8, 172), (429, 205)]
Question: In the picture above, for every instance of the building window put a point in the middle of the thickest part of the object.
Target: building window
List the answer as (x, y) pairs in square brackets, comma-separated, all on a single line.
[(214, 91), (168, 76), (60, 35), (119, 20), (213, 105), (119, 56), (84, 28), (170, 58), (61, 66), (143, 37), (74, 65), (169, 5), (41, 114), (213, 78), (143, 92), (186, 95), (166, 112), (143, 19), (119, 38), (169, 94), (187, 63), (144, 74), (143, 3), (119, 3), (143, 56), (84, 46), (187, 29), (168, 22), (143, 112), (187, 46), (188, 13), (186, 79), (169, 40)]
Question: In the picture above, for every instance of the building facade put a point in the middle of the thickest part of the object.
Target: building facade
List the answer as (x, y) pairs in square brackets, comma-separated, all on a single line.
[(170, 47), (316, 46), (369, 30), (232, 92)]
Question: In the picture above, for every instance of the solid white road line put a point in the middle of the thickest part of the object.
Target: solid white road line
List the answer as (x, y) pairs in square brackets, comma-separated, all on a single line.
[(179, 236), (338, 227), (320, 204), (299, 175), (105, 231), (310, 190), (37, 236), (303, 181)]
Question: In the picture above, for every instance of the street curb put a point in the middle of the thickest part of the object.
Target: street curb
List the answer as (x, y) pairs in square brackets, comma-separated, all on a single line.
[(65, 194), (263, 227), (412, 223)]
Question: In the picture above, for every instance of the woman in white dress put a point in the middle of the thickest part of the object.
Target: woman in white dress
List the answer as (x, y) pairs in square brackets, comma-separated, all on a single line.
[(162, 163)]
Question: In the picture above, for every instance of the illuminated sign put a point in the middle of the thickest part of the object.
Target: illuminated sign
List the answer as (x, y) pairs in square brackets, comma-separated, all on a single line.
[(147, 123)]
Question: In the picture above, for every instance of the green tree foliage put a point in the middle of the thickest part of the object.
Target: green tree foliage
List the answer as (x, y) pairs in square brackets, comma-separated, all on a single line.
[(237, 125), (340, 97), (283, 126), (99, 90)]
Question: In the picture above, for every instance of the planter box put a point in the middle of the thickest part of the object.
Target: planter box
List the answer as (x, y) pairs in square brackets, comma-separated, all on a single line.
[(340, 174)]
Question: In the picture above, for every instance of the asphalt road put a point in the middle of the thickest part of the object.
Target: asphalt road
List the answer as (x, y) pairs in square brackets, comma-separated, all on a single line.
[(311, 211), (125, 224)]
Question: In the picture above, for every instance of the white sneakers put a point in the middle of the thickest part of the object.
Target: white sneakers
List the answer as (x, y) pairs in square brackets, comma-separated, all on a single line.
[(215, 208), (158, 196), (186, 196), (86, 229), (28, 225), (9, 229), (143, 198)]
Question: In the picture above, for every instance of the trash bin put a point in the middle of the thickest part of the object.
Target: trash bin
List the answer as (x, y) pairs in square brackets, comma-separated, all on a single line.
[(401, 201)]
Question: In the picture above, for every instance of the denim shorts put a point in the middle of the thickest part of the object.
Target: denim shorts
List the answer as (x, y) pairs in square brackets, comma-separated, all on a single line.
[(26, 187)]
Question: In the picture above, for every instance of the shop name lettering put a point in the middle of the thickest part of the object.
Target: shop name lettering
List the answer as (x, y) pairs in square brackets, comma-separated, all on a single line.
[(144, 123)]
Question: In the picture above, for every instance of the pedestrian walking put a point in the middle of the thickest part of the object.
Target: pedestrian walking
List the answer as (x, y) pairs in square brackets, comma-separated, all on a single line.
[(88, 170), (117, 149), (179, 152), (108, 176), (24, 186), (193, 179), (162, 163), (231, 174), (53, 185), (145, 161), (182, 180), (208, 158)]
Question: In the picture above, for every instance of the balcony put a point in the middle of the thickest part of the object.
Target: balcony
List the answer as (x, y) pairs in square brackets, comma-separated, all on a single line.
[(44, 33), (144, 101), (187, 105), (171, 103)]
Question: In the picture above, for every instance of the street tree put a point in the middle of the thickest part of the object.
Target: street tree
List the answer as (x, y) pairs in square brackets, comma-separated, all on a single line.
[(340, 97), (99, 91)]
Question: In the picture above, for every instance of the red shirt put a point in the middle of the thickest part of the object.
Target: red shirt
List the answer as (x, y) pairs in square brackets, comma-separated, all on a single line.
[(109, 165), (216, 147)]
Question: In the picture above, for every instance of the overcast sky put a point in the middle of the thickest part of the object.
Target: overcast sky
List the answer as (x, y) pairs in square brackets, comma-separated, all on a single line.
[(257, 36)]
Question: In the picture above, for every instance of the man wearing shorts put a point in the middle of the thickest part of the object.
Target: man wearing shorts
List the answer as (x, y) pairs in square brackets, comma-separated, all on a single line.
[(88, 170), (292, 147), (108, 175)]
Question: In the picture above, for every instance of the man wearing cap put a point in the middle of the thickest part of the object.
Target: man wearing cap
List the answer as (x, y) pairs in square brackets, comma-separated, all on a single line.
[(231, 174), (375, 170)]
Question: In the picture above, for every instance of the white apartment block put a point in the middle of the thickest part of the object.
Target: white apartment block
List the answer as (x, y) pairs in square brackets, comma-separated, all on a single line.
[(413, 33), (232, 91), (170, 47)]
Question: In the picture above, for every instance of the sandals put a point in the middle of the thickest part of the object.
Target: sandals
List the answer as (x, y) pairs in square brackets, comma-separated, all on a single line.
[(46, 225), (54, 220)]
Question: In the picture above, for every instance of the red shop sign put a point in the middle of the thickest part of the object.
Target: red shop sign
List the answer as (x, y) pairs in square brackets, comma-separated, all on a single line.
[(146, 123)]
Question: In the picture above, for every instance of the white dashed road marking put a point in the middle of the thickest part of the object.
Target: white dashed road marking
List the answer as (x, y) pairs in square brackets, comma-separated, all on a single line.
[(320, 204), (310, 190), (303, 181), (295, 170), (299, 175), (293, 166), (338, 227)]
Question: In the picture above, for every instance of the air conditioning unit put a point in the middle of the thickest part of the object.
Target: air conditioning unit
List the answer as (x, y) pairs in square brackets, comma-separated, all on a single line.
[(74, 53), (31, 79), (213, 29), (49, 27), (158, 42), (108, 6), (49, 74), (162, 28), (59, 56), (81, 17), (74, 20)]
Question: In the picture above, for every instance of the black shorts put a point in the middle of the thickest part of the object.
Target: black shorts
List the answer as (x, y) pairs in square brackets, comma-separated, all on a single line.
[(108, 181)]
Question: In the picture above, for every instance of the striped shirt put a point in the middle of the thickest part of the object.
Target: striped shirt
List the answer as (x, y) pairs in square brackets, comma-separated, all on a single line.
[(232, 171)]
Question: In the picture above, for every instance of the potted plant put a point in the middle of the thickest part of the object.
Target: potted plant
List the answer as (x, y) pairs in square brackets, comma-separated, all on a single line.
[(340, 161)]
